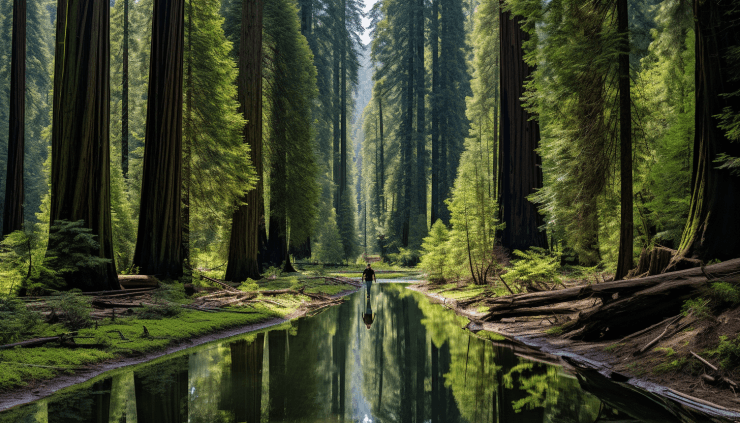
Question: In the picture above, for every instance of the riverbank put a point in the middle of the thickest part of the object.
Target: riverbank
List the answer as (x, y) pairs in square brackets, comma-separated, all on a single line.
[(27, 374), (666, 367)]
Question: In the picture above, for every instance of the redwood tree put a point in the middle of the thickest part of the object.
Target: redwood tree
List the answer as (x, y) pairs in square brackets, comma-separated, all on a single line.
[(521, 170), (80, 166), (245, 228), (626, 230), (158, 244), (13, 212), (713, 226)]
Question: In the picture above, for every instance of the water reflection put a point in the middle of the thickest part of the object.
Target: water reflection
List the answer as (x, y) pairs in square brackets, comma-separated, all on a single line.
[(415, 364)]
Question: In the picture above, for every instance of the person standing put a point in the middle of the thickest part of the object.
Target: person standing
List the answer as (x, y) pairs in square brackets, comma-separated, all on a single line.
[(368, 275)]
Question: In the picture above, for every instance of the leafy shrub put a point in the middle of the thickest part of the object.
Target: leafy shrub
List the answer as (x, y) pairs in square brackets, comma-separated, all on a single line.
[(726, 293), (249, 285), (697, 306), (73, 310), (535, 268), (17, 252), (434, 258), (728, 351), (16, 321), (405, 257), (174, 292)]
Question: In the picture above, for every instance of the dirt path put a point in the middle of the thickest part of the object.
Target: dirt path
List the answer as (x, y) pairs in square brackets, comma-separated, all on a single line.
[(615, 362)]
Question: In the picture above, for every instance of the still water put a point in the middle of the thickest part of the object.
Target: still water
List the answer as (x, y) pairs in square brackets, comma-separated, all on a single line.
[(389, 357)]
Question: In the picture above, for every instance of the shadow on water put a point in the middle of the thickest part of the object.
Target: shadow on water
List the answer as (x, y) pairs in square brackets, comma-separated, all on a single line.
[(386, 355)]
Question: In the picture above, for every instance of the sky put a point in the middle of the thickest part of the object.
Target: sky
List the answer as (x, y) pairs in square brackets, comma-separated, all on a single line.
[(365, 21)]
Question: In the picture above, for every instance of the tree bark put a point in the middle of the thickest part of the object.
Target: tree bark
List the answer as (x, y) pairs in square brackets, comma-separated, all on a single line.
[(80, 151), (712, 227), (408, 130), (13, 208), (434, 39), (626, 230), (159, 241), (421, 153), (124, 95), (521, 170), (248, 221)]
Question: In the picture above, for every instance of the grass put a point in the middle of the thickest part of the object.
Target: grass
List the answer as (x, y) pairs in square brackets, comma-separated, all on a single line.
[(126, 337)]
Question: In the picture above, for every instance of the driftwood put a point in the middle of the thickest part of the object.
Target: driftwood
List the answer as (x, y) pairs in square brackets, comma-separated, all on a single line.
[(662, 334), (534, 311), (31, 342)]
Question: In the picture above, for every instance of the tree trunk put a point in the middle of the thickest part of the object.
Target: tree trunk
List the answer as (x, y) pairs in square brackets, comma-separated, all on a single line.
[(382, 156), (80, 167), (421, 153), (521, 172), (712, 227), (159, 241), (408, 126), (247, 227), (625, 259), (13, 211), (189, 142), (336, 129), (434, 39), (343, 111), (124, 95)]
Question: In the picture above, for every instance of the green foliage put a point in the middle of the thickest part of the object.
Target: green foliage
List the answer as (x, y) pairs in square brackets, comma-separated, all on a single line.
[(73, 310), (72, 248), (434, 259), (327, 246), (696, 306), (726, 292), (669, 366), (18, 253), (16, 321), (728, 352), (536, 267), (405, 257)]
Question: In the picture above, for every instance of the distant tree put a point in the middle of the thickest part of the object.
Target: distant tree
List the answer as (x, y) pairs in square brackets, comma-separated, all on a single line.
[(158, 244), (80, 168)]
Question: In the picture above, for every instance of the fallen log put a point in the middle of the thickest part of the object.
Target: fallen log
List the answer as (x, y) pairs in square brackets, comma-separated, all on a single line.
[(31, 342), (647, 306), (222, 284), (111, 304), (138, 281), (728, 271), (535, 311)]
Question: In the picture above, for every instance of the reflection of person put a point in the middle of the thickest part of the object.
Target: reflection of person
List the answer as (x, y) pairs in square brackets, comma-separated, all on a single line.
[(369, 316), (368, 275)]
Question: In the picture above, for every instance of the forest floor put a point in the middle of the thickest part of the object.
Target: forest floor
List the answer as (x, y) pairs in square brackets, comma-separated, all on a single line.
[(121, 336), (667, 367)]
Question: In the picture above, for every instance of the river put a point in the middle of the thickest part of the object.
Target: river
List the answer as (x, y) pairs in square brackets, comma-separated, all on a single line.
[(389, 357)]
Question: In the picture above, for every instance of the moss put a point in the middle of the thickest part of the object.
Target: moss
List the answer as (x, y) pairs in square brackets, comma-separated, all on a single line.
[(555, 330), (668, 351), (669, 366), (614, 347)]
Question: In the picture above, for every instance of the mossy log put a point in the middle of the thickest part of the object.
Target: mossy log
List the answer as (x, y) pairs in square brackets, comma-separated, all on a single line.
[(138, 281)]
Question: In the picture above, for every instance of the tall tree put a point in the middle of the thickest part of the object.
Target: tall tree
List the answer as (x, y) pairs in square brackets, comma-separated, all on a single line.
[(158, 244), (521, 170), (715, 196), (292, 168), (216, 168), (124, 92), (80, 167), (13, 211), (626, 230), (245, 228)]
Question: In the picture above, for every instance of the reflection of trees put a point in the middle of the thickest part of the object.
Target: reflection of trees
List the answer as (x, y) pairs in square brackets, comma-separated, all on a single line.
[(123, 399), (243, 385), (93, 407), (206, 368), (162, 391)]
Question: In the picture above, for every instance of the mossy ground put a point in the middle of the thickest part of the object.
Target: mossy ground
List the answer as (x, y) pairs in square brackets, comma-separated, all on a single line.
[(126, 337)]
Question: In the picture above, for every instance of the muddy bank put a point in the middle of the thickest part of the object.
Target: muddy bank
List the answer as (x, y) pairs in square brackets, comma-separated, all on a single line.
[(41, 389), (619, 362)]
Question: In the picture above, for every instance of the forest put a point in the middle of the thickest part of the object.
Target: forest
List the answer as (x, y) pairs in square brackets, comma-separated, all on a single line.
[(162, 137)]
